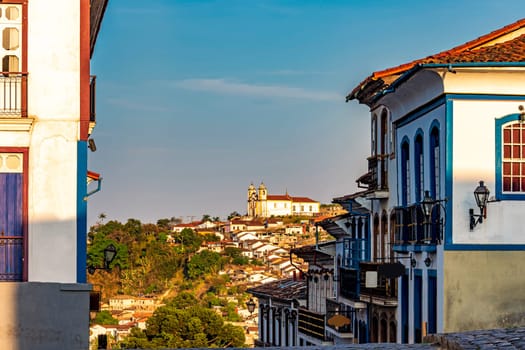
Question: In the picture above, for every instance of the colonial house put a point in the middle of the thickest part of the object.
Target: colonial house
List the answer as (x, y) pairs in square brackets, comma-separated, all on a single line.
[(47, 116), (264, 205), (445, 186), (278, 309)]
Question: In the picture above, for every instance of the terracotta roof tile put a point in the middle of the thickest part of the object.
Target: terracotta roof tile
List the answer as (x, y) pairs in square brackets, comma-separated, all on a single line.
[(512, 50), (285, 289)]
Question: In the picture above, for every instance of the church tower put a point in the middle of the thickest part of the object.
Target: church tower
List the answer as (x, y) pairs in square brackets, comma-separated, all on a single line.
[(252, 201), (262, 206)]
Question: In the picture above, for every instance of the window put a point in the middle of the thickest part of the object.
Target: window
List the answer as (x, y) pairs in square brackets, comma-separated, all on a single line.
[(310, 208), (302, 208), (434, 163), (405, 173), (419, 168), (510, 157), (374, 135)]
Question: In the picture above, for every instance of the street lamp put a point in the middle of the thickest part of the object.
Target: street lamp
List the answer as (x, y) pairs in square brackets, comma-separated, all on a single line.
[(251, 306), (481, 194), (110, 252)]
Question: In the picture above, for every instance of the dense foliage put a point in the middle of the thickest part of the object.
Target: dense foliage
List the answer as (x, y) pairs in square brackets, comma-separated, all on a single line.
[(183, 323)]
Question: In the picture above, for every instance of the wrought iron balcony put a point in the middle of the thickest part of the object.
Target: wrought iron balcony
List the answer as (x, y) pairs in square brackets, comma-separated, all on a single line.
[(376, 179), (384, 293), (311, 324), (413, 228), (339, 321), (13, 95), (11, 258)]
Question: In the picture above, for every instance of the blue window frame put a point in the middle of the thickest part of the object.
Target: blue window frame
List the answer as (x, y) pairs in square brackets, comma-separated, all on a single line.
[(510, 158), (419, 167), (405, 173), (418, 300), (432, 302), (434, 153)]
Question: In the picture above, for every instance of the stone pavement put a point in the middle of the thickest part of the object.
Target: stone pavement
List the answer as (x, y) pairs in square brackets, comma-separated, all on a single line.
[(506, 339)]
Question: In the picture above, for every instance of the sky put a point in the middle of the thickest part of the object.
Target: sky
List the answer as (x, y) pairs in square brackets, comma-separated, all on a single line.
[(198, 99)]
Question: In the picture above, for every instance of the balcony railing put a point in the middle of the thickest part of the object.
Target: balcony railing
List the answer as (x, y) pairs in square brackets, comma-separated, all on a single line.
[(412, 227), (11, 258), (386, 287), (312, 324), (376, 179), (340, 321), (13, 95)]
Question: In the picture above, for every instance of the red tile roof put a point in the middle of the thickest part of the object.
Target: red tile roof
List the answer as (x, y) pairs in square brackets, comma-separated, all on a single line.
[(279, 197), (303, 200), (512, 50)]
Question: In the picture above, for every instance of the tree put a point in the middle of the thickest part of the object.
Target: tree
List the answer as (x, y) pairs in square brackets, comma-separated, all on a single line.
[(233, 214), (206, 217), (101, 218), (104, 318), (192, 327), (203, 263)]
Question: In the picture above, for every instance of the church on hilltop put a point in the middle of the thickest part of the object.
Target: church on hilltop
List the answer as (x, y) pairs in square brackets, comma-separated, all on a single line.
[(262, 204)]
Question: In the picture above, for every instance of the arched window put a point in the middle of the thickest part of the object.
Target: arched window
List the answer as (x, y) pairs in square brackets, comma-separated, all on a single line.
[(377, 237), (434, 163), (405, 173), (419, 174), (384, 235), (510, 157)]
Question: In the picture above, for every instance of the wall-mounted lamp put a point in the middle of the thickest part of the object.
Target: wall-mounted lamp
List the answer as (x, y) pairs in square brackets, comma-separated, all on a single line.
[(91, 145), (428, 261), (481, 194), (110, 252), (251, 306), (413, 263)]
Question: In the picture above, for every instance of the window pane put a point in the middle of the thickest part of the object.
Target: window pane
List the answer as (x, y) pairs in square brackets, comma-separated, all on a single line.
[(515, 184), (506, 168), (515, 135), (506, 135), (12, 13), (10, 64), (506, 152), (10, 38), (515, 168), (523, 183), (506, 183), (516, 151)]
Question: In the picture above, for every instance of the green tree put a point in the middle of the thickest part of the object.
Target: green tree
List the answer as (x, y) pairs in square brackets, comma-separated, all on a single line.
[(233, 214), (206, 217), (104, 318), (203, 263)]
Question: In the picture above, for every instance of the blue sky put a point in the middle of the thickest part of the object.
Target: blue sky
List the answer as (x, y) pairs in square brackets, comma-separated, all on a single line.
[(197, 99)]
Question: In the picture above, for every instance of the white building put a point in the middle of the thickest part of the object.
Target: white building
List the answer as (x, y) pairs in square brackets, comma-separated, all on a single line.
[(46, 120), (439, 125)]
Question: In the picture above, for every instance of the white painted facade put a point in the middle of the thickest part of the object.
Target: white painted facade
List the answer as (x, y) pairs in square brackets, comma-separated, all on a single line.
[(48, 51)]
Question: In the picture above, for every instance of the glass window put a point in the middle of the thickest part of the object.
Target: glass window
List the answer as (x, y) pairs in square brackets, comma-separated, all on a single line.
[(513, 158), (405, 173), (419, 168)]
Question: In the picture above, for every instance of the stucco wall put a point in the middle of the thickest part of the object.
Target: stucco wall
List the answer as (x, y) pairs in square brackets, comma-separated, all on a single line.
[(483, 289), (44, 316), (53, 62)]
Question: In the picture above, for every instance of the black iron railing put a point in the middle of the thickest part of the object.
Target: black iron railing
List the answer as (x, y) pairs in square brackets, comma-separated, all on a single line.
[(13, 94), (11, 258), (338, 319), (386, 287), (412, 227), (311, 323)]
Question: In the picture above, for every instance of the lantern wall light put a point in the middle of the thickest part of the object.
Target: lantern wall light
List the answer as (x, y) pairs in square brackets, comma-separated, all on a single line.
[(481, 194), (109, 255)]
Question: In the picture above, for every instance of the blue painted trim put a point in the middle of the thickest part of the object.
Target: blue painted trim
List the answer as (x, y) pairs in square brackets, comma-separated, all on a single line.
[(485, 97), (81, 211), (449, 133), (415, 248), (488, 247), (421, 111), (418, 272), (499, 158), (432, 273)]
